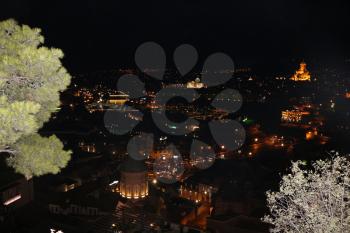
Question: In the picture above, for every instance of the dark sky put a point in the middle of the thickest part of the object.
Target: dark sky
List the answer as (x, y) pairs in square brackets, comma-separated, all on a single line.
[(101, 34)]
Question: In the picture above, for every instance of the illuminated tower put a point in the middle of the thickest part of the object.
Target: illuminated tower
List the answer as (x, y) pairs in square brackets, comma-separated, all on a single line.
[(133, 181), (302, 74)]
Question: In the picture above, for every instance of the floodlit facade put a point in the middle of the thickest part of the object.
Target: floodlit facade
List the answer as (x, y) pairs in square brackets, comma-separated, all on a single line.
[(118, 99), (133, 180), (302, 74), (197, 193), (293, 116)]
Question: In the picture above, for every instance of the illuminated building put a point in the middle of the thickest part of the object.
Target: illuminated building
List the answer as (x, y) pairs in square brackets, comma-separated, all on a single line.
[(302, 74), (156, 154), (311, 134), (195, 84), (69, 184), (65, 184), (293, 116), (118, 99), (133, 179), (197, 193), (90, 148)]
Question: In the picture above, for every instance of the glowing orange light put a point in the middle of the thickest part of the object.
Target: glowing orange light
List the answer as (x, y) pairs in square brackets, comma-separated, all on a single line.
[(302, 74)]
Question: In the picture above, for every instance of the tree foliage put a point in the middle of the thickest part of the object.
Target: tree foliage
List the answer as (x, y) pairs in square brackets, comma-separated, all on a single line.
[(316, 200), (39, 156), (16, 119), (31, 79)]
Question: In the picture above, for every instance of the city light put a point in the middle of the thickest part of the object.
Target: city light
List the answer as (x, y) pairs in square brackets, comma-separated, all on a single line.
[(302, 74), (173, 137), (12, 200), (114, 183), (293, 116), (55, 231)]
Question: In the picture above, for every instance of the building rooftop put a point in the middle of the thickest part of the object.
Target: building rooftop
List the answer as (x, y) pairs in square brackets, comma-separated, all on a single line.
[(7, 174), (131, 165)]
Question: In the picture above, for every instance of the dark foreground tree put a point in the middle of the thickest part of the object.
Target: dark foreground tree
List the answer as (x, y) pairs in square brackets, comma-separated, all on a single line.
[(312, 201), (31, 79)]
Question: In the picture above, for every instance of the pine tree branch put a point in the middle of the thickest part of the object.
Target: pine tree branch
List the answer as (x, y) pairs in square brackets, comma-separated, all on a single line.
[(9, 151)]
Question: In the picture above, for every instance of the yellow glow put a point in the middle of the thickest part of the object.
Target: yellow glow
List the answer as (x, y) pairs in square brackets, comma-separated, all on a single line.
[(195, 84), (310, 134), (293, 116), (302, 74)]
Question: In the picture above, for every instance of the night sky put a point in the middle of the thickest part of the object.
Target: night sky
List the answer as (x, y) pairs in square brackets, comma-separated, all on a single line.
[(96, 34)]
